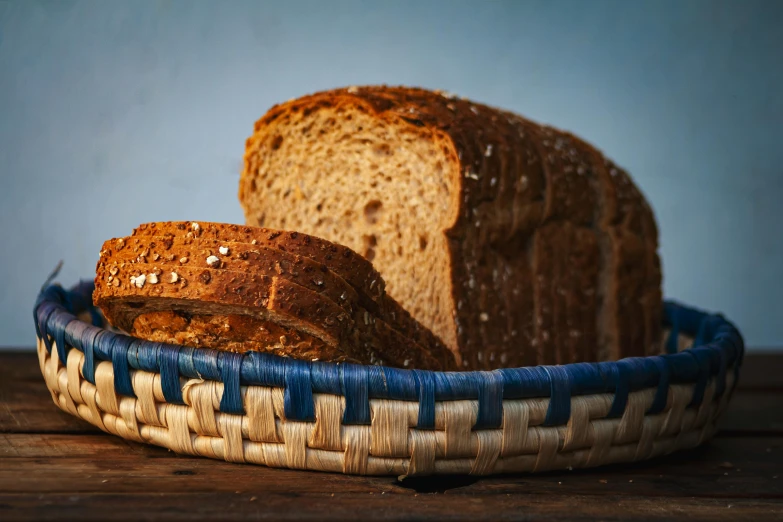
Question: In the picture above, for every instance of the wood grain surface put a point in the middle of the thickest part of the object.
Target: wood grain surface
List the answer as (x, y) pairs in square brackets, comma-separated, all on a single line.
[(56, 467)]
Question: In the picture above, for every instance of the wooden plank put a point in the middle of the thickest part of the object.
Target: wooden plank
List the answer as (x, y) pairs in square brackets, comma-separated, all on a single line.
[(88, 445), (762, 371), (19, 365), (725, 467), (26, 406), (25, 403), (754, 412), (185, 505)]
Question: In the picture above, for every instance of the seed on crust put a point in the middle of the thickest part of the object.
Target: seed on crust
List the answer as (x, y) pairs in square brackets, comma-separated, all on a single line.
[(138, 281)]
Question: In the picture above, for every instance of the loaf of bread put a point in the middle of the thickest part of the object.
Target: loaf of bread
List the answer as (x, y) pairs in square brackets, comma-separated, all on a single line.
[(187, 287), (515, 243)]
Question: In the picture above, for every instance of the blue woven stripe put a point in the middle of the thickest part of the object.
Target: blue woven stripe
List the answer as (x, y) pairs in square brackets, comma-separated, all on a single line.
[(588, 378), (456, 385), (392, 383), (354, 385), (38, 310), (146, 357), (522, 383), (701, 334), (731, 346), (326, 378), (90, 338), (169, 373), (187, 365), (298, 396), (559, 410), (133, 354), (59, 323), (44, 312), (230, 366), (704, 363), (683, 368), (264, 369), (490, 401), (425, 388), (622, 371), (74, 331), (662, 391), (196, 362), (119, 362), (45, 335)]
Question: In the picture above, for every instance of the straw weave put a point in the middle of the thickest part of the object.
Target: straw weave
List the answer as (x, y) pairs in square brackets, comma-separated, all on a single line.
[(391, 444)]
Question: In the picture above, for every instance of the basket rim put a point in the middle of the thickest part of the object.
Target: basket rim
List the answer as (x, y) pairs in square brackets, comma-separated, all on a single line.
[(718, 347)]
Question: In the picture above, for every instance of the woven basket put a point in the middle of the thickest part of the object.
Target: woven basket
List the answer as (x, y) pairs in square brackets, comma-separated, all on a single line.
[(281, 412)]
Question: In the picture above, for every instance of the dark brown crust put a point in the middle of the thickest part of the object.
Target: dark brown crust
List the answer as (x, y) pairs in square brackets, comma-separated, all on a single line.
[(357, 336), (341, 260), (487, 237)]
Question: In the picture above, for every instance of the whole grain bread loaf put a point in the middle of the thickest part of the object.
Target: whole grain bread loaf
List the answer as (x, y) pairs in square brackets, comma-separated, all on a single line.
[(514, 242)]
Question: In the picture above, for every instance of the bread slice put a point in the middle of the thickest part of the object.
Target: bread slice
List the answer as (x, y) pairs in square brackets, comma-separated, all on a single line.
[(345, 276), (125, 291), (514, 242)]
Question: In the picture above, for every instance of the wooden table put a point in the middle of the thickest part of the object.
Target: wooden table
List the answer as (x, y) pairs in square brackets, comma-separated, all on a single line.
[(54, 466)]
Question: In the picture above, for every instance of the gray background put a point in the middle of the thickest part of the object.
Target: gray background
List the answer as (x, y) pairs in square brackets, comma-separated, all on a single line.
[(117, 113)]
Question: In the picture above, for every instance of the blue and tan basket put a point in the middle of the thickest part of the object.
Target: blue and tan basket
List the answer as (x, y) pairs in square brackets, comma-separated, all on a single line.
[(263, 409)]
